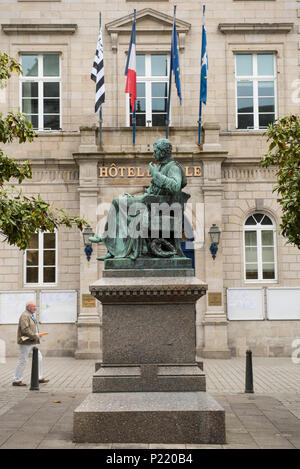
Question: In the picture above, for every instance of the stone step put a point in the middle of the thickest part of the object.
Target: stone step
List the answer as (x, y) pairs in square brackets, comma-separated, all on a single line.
[(149, 377), (140, 417)]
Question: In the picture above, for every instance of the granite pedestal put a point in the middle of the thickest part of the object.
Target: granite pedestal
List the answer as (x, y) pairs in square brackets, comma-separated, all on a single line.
[(148, 387)]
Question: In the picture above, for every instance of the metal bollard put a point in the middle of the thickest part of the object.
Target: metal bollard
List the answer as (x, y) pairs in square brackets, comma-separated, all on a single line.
[(249, 373), (34, 385)]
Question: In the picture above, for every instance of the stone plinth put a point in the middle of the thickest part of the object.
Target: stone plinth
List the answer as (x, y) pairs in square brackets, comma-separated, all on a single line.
[(143, 417), (148, 319), (147, 378), (148, 387), (148, 264)]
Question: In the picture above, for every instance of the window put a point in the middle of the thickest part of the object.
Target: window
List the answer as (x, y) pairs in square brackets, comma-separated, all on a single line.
[(40, 90), (259, 244), (255, 90), (41, 259), (152, 90)]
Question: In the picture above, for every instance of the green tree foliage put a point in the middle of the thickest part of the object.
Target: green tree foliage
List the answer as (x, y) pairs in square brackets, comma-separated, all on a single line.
[(284, 153), (21, 216)]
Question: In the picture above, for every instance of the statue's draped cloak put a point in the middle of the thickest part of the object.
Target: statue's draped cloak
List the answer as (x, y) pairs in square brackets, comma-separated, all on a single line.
[(169, 180)]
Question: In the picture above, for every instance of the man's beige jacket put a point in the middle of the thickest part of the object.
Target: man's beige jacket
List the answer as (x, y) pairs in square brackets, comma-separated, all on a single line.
[(27, 328)]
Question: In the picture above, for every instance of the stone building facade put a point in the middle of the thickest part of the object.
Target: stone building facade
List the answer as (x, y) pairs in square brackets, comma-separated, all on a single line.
[(253, 298)]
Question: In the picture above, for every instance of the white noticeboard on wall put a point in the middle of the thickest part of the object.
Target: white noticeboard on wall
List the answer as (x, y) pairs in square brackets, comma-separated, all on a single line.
[(13, 304), (245, 304), (283, 303), (58, 306)]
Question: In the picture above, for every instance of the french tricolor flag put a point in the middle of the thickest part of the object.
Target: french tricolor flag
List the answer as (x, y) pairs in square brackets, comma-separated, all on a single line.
[(130, 70)]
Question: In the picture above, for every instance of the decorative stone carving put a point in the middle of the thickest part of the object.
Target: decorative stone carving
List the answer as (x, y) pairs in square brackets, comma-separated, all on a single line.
[(148, 21)]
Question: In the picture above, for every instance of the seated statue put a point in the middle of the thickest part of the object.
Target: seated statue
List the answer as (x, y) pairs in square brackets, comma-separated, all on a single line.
[(149, 225)]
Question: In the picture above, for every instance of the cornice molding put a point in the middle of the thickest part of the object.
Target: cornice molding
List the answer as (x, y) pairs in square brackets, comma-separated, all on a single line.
[(241, 28), (39, 28), (114, 294)]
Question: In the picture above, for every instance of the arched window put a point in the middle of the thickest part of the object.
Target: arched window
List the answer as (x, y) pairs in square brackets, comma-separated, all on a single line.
[(259, 248)]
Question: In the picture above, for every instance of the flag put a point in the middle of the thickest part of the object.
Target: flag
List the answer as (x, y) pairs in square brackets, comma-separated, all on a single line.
[(98, 73), (130, 70), (175, 61), (204, 67)]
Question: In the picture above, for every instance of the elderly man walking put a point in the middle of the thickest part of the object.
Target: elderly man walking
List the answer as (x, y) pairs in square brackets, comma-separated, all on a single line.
[(28, 337)]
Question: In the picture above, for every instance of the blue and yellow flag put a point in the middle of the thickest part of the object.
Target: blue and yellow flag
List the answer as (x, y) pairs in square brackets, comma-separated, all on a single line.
[(175, 61), (204, 67)]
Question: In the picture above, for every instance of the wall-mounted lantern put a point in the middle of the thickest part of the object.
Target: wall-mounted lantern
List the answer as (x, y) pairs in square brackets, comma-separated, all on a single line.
[(87, 233), (215, 234)]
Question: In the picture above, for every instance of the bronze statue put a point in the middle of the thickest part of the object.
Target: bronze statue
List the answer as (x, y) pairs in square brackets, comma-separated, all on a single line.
[(149, 224)]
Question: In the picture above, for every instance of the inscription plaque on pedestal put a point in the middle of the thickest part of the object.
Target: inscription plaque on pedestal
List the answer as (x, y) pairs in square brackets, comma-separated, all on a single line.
[(214, 298)]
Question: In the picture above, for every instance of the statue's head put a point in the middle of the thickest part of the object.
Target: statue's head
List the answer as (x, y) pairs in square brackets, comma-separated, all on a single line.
[(162, 149)]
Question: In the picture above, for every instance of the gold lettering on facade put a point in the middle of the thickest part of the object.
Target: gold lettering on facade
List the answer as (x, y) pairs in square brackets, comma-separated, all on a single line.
[(114, 171), (122, 169), (103, 172), (131, 171), (197, 170), (139, 175), (187, 171)]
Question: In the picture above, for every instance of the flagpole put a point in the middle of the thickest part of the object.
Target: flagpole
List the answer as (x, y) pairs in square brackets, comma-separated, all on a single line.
[(200, 104), (100, 110), (133, 111), (170, 80)]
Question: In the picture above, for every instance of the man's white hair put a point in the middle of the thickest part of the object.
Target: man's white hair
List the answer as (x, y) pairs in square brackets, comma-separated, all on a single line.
[(29, 303)]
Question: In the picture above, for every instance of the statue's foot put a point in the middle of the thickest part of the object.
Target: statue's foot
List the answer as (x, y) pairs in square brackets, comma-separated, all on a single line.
[(107, 256), (95, 239), (132, 257)]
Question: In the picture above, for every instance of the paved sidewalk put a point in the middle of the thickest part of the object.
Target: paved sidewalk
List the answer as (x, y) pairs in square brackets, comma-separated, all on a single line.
[(270, 418)]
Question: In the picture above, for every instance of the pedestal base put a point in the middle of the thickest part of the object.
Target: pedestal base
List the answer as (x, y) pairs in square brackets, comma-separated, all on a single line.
[(149, 417), (148, 387)]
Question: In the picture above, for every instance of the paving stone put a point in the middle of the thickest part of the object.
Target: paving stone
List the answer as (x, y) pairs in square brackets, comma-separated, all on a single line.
[(239, 438), (252, 421), (234, 446), (166, 446), (5, 435), (246, 410), (204, 446), (274, 445), (55, 444), (129, 446), (275, 440), (295, 441), (23, 440), (92, 446)]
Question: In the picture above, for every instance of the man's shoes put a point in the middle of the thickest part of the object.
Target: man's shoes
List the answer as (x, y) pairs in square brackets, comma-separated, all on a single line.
[(19, 383), (43, 381)]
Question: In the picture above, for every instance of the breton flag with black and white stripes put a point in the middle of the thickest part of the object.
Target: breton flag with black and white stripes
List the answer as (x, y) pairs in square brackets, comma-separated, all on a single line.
[(98, 73)]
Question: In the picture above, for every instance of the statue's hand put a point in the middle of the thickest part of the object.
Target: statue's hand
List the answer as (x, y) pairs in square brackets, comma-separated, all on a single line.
[(153, 169), (95, 239)]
